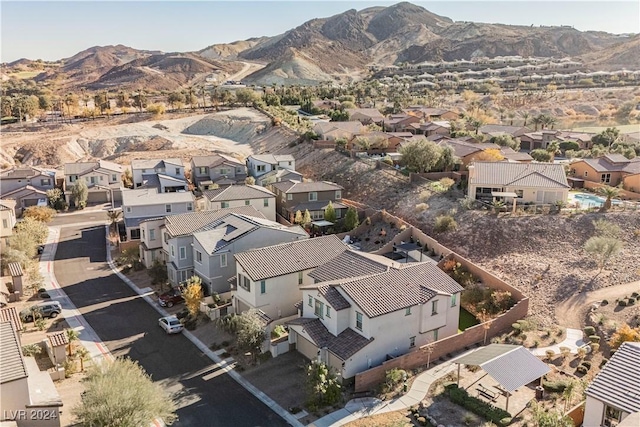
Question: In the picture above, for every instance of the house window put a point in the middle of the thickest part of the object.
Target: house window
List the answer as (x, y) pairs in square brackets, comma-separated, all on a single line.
[(310, 302), (247, 202), (92, 179), (45, 182), (189, 207), (114, 177), (289, 163), (260, 168), (313, 196), (238, 170), (611, 416), (128, 209), (263, 286), (338, 213), (202, 170), (246, 284), (152, 234), (605, 177), (407, 311), (224, 205), (223, 171), (101, 178), (289, 196), (453, 300), (173, 251), (177, 171), (135, 234), (319, 309), (73, 178), (412, 342), (199, 257), (520, 193), (338, 194), (183, 252), (144, 171), (142, 229), (5, 224), (435, 334), (265, 203), (299, 277), (167, 208), (328, 313), (586, 173), (358, 321), (434, 307), (223, 260), (166, 238)]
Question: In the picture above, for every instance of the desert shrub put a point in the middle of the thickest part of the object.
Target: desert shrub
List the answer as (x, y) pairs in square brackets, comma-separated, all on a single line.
[(393, 377), (447, 183), (478, 407), (555, 386), (582, 369), (445, 223), (622, 303), (589, 330), (631, 301), (516, 328), (527, 324), (604, 302), (421, 207), (550, 354), (594, 338), (31, 350), (595, 347)]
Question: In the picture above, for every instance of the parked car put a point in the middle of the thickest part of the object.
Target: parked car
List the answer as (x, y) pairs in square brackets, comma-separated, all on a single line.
[(48, 309), (170, 324), (171, 298)]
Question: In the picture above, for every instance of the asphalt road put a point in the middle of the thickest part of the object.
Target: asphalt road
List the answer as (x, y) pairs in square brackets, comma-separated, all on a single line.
[(128, 326)]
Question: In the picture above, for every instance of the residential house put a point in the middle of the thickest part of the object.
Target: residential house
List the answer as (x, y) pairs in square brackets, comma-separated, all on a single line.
[(294, 196), (27, 186), (326, 104), (165, 175), (469, 152), (242, 195), (613, 398), (331, 131), (26, 393), (365, 308), (496, 130), (216, 169), (277, 176), (214, 247), (540, 183), (260, 164), (399, 122), (431, 114), (366, 116), (435, 128), (103, 179), (7, 222), (270, 278), (141, 204), (157, 234), (611, 169)]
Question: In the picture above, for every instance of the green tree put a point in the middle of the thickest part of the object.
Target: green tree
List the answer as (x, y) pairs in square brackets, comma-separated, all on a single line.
[(322, 385), (72, 336), (71, 101), (448, 159), (101, 101), (192, 294), (250, 180), (246, 96), (122, 100), (121, 393), (330, 213), (54, 196), (44, 102), (609, 193), (420, 156), (602, 249), (251, 331), (158, 274), (351, 219), (306, 218), (40, 213), (140, 100), (506, 140), (540, 155), (298, 218), (176, 98), (607, 137), (114, 216), (553, 148), (80, 193)]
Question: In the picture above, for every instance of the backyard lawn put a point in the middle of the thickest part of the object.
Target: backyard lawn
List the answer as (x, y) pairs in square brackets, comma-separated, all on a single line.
[(466, 320)]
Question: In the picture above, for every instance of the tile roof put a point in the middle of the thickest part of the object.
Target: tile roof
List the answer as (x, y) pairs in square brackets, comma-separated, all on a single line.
[(517, 156), (607, 164), (237, 192), (373, 113), (10, 314), (334, 297), (618, 383), (155, 163), (188, 223), (12, 367), (398, 288), (286, 258), (80, 168), (24, 172), (27, 189), (150, 196), (214, 160), (305, 187), (348, 264), (345, 345), (497, 129), (353, 127), (543, 175), (272, 158), (58, 338)]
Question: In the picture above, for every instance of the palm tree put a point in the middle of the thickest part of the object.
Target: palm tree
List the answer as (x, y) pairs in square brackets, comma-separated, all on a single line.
[(609, 192), (549, 122), (72, 335), (552, 148), (538, 120), (511, 116), (525, 116), (83, 354), (114, 217)]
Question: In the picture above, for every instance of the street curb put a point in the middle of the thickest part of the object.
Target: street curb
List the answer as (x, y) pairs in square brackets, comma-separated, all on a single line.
[(202, 347)]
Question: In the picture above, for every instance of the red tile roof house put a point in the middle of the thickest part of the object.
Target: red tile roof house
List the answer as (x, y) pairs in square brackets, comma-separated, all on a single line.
[(364, 307)]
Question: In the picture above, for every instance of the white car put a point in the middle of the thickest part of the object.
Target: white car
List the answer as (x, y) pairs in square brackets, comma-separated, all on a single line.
[(170, 324)]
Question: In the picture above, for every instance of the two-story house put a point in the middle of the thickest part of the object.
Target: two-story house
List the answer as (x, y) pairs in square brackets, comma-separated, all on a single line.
[(270, 278), (259, 164), (27, 185), (612, 169), (277, 176), (613, 398), (104, 180), (214, 247), (165, 175), (7, 222), (139, 205), (216, 169), (354, 323), (242, 195), (156, 233), (294, 196)]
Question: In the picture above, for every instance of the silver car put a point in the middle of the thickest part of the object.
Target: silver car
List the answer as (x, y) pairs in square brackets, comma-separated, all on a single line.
[(170, 324)]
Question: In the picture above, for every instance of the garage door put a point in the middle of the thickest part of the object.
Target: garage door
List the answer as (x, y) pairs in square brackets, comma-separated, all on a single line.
[(97, 197), (306, 347)]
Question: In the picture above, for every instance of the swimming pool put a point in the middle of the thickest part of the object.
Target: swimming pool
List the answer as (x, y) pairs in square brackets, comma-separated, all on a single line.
[(587, 200)]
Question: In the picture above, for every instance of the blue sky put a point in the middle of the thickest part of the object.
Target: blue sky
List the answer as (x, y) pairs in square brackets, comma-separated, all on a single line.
[(52, 30)]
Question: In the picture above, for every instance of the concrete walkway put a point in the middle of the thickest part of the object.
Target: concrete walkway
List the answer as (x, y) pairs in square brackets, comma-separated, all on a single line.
[(573, 341), (364, 407)]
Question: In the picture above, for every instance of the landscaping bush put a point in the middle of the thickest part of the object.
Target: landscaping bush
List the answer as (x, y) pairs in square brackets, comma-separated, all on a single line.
[(589, 330), (422, 421), (445, 223), (604, 302), (622, 303), (554, 386), (527, 324), (595, 347), (631, 301), (582, 369), (594, 338), (478, 407), (393, 377)]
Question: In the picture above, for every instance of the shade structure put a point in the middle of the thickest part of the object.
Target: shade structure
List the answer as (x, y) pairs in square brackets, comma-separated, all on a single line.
[(322, 223)]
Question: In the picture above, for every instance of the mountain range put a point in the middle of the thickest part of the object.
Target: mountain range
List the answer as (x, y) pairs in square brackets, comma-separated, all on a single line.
[(342, 47)]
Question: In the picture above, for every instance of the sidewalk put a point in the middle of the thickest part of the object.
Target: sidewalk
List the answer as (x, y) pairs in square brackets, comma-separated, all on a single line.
[(573, 341), (364, 407)]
